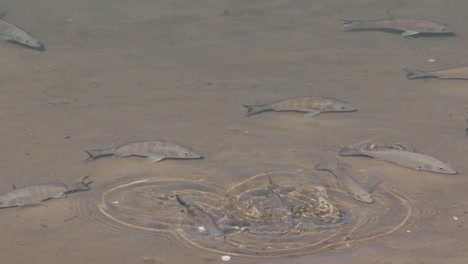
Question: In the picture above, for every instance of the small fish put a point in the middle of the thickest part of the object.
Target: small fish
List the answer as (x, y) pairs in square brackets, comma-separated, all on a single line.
[(35, 194), (203, 218), (311, 105), (452, 73), (352, 187), (410, 27), (153, 150), (11, 32), (408, 159)]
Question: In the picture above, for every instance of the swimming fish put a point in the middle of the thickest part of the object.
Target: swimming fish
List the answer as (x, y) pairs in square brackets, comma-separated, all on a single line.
[(153, 150), (408, 159), (351, 186), (35, 194), (11, 32), (203, 218), (311, 105), (410, 27), (452, 73)]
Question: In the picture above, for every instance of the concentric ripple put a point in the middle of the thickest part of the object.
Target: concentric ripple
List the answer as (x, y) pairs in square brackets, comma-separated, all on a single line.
[(275, 214)]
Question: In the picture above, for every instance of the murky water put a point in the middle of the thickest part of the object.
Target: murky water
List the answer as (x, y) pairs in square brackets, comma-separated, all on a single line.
[(122, 71)]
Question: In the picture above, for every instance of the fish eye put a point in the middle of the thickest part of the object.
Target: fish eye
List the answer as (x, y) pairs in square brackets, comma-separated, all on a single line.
[(441, 168), (186, 153)]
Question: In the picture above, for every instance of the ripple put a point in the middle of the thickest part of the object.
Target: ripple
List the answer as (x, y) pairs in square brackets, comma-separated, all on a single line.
[(144, 204)]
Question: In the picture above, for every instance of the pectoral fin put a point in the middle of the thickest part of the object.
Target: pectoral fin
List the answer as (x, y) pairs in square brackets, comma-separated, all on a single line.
[(312, 113), (409, 33), (153, 159)]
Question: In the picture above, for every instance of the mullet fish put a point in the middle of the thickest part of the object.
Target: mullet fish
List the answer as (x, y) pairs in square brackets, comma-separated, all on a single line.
[(311, 105), (404, 158), (410, 27), (11, 32), (35, 194), (452, 73), (153, 151)]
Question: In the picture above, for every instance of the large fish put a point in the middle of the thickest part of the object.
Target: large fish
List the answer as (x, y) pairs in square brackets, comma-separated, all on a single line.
[(351, 186), (410, 27), (11, 32), (203, 219), (408, 159), (35, 194), (452, 73), (153, 151), (311, 105)]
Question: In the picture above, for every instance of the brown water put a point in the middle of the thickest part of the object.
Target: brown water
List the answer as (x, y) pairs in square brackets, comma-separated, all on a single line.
[(121, 71)]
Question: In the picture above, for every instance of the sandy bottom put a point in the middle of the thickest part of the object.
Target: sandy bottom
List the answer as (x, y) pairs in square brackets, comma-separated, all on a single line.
[(120, 71)]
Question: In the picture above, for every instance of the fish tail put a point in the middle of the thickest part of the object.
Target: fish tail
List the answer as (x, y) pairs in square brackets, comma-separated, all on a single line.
[(92, 155), (80, 186), (253, 109), (350, 23), (414, 74), (323, 165), (347, 151)]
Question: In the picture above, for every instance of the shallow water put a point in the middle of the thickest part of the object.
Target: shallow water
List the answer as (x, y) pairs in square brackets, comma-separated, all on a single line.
[(120, 71)]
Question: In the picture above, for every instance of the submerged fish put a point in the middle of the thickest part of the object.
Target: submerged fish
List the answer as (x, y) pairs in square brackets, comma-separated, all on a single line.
[(153, 150), (410, 27), (35, 194), (312, 105), (452, 73), (203, 219), (408, 159), (11, 32), (351, 186)]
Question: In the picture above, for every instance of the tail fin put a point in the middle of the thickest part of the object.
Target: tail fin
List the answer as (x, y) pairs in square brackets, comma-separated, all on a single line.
[(80, 186), (349, 23), (253, 109), (415, 74), (347, 151), (92, 155), (323, 165)]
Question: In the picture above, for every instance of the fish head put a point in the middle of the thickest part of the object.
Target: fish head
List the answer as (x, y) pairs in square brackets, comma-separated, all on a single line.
[(364, 197), (337, 106), (184, 153), (29, 41), (6, 201), (441, 28), (439, 167)]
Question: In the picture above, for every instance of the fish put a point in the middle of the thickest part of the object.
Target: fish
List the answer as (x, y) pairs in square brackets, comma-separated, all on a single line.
[(410, 27), (452, 73), (351, 186), (36, 194), (11, 32), (313, 106), (153, 151), (203, 218), (408, 159)]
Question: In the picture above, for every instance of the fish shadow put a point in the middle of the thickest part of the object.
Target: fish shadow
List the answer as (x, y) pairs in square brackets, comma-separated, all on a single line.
[(42, 48)]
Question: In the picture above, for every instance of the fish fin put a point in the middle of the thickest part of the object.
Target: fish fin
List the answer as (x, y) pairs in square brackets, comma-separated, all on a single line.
[(323, 165), (349, 23), (253, 109), (373, 187), (312, 113), (14, 186), (347, 151), (58, 196), (91, 155), (409, 33), (415, 74), (154, 158)]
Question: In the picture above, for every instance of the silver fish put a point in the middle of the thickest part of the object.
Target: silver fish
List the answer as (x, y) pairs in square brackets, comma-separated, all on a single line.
[(410, 27), (11, 32), (452, 73), (203, 218), (351, 186), (35, 194), (312, 105), (408, 159), (153, 150)]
